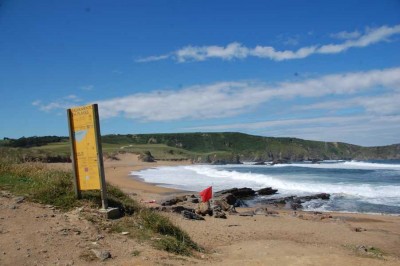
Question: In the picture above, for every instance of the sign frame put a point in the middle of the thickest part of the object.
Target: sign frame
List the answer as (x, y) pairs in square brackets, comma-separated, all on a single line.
[(100, 164)]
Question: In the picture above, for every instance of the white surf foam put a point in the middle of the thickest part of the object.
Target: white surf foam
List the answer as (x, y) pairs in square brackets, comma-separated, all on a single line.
[(197, 177)]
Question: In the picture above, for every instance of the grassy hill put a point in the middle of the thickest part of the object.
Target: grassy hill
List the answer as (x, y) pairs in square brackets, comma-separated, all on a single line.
[(206, 147)]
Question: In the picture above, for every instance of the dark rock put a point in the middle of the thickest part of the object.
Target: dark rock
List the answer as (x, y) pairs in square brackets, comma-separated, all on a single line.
[(171, 202), (232, 210), (267, 191), (146, 157), (279, 161), (259, 163), (237, 192), (191, 215), (195, 200), (219, 214), (293, 202), (230, 199), (179, 209)]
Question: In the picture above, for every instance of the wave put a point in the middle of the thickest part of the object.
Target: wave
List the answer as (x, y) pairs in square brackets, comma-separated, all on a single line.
[(339, 165), (197, 177)]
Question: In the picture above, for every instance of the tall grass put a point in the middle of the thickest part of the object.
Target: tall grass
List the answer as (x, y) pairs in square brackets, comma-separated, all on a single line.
[(39, 184)]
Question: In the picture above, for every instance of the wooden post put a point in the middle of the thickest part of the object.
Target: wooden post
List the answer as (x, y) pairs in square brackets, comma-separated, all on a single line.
[(72, 140), (104, 201)]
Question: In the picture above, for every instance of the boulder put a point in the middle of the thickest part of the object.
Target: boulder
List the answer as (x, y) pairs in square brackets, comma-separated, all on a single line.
[(172, 201), (219, 214), (232, 210), (204, 208), (191, 215), (267, 191), (237, 192), (223, 204), (146, 157)]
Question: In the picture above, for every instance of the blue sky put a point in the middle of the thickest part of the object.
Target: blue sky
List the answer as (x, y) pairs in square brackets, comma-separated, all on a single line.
[(320, 70)]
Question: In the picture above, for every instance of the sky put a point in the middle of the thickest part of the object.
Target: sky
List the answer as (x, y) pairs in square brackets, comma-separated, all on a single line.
[(317, 70)]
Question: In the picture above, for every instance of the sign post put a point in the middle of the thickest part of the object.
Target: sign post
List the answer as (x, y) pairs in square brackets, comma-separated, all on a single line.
[(86, 150)]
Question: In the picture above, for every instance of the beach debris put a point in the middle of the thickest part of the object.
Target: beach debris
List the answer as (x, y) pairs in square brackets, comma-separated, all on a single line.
[(191, 215), (124, 233), (267, 191)]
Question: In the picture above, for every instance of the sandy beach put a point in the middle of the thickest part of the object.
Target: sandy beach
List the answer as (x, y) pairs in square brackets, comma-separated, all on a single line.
[(286, 238)]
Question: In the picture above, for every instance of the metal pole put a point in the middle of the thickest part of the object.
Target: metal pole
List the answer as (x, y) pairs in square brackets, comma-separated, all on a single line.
[(73, 157), (104, 201)]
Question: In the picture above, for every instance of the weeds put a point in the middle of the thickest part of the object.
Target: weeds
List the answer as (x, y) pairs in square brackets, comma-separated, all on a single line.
[(40, 184)]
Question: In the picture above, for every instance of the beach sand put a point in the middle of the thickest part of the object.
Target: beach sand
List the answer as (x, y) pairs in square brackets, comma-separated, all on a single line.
[(288, 238)]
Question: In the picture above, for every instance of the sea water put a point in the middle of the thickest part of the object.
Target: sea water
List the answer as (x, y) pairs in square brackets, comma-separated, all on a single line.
[(355, 186)]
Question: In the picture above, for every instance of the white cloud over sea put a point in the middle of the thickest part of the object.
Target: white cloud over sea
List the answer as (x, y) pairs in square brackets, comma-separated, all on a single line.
[(226, 99), (325, 108), (236, 50)]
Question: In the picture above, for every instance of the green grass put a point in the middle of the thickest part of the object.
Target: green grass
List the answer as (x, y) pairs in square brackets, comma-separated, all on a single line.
[(39, 184)]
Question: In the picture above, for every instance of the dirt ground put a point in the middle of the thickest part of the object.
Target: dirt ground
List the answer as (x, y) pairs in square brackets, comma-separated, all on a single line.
[(31, 234)]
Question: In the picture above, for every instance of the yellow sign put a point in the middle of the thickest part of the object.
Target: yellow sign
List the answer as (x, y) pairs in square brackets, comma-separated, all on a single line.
[(85, 148)]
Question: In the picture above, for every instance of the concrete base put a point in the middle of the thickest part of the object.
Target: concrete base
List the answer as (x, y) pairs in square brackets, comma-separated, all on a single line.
[(110, 213)]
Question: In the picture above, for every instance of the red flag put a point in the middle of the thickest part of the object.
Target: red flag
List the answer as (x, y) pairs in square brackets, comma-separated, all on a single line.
[(206, 194)]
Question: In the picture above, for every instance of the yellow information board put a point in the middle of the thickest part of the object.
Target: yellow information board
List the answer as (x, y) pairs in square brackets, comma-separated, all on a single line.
[(84, 137)]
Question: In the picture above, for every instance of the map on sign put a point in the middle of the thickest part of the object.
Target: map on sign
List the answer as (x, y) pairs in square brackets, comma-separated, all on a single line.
[(80, 135), (85, 147)]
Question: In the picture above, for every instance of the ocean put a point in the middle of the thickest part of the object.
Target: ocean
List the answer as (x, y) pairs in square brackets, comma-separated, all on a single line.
[(355, 186)]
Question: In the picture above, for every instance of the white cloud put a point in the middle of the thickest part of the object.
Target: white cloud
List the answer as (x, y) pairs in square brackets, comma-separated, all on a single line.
[(236, 50), (385, 104), (344, 35), (227, 99), (63, 103)]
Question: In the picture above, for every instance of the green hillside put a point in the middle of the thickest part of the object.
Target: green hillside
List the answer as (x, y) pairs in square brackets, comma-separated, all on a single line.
[(249, 147), (204, 147)]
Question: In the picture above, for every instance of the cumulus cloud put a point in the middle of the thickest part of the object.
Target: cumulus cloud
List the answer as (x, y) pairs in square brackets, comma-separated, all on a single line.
[(236, 50), (63, 103), (227, 99)]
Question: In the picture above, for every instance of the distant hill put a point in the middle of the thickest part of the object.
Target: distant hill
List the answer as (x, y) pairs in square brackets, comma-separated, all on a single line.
[(257, 148), (227, 147)]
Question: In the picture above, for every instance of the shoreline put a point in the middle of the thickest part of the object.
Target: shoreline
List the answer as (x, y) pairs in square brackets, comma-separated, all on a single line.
[(118, 174), (285, 238)]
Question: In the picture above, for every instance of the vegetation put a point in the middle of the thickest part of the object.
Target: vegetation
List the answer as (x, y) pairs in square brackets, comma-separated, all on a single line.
[(38, 183), (209, 148)]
